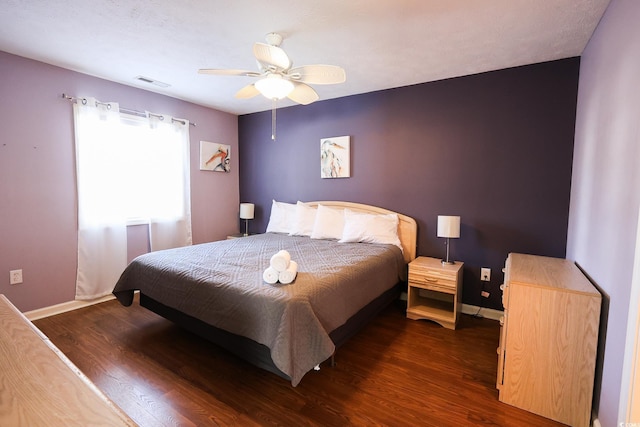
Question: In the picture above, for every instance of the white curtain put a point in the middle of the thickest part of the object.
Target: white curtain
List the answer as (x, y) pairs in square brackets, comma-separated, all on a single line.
[(128, 169), (170, 227), (102, 221)]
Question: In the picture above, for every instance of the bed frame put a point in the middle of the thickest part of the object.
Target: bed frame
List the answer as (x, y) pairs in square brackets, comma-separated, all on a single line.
[(258, 354)]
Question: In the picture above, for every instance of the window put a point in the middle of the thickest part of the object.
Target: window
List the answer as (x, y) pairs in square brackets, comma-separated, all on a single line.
[(129, 170), (133, 171)]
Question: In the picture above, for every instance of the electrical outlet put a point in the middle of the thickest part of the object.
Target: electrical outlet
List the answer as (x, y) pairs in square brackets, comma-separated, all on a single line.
[(485, 274), (15, 277), (485, 294)]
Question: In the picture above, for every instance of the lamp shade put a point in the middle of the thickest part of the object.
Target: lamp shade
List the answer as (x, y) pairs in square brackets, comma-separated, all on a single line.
[(246, 210), (449, 226)]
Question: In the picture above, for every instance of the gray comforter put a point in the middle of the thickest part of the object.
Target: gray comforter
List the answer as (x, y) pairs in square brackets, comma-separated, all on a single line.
[(221, 284)]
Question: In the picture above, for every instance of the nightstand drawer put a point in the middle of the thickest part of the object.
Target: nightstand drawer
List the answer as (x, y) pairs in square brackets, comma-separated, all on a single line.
[(437, 285), (433, 280)]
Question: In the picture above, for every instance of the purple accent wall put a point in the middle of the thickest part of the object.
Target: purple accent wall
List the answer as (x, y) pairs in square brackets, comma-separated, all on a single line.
[(37, 175), (494, 148)]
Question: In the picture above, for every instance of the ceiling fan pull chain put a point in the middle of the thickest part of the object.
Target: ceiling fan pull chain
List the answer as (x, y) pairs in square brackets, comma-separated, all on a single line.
[(273, 119)]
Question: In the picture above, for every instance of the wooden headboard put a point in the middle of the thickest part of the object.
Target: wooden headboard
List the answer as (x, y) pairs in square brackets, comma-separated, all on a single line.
[(407, 227)]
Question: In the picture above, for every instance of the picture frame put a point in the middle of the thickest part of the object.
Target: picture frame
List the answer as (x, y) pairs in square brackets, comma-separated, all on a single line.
[(335, 157), (215, 157)]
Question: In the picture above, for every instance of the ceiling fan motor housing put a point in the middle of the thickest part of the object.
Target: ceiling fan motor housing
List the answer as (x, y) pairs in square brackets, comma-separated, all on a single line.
[(274, 39)]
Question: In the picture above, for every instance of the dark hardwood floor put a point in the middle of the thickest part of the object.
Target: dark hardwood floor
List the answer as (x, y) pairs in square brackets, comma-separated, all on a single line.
[(395, 372)]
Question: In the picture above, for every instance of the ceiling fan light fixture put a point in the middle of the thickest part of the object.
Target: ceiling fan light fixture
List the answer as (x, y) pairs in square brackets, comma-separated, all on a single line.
[(274, 86)]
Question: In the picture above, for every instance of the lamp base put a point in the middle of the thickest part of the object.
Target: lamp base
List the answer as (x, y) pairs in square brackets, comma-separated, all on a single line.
[(445, 261)]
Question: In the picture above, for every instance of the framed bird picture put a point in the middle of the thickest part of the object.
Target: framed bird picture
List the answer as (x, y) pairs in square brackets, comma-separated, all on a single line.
[(335, 157), (215, 157)]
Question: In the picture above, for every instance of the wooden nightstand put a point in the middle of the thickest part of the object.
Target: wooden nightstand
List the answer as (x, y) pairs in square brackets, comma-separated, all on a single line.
[(435, 291)]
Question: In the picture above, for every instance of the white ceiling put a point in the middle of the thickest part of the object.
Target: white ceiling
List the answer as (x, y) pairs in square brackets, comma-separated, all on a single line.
[(381, 44)]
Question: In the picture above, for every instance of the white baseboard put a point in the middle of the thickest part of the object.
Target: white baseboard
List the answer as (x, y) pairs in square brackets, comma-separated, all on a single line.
[(488, 313), (64, 307)]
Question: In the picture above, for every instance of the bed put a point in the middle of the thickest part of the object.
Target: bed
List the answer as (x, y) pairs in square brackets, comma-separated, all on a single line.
[(217, 291)]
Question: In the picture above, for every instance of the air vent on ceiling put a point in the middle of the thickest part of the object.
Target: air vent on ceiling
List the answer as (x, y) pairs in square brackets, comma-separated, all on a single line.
[(152, 81)]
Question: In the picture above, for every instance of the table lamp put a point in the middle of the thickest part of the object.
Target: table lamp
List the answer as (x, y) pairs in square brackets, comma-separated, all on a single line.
[(246, 213), (448, 227)]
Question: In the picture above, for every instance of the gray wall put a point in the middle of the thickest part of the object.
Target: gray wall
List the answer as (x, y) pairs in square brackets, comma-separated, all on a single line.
[(495, 148), (606, 185)]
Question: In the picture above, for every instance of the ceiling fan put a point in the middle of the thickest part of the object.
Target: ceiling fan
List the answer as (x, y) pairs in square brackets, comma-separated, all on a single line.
[(277, 78)]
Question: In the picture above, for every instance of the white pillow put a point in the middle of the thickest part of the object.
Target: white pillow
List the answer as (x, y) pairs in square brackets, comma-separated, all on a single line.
[(281, 217), (303, 220), (370, 228), (329, 223)]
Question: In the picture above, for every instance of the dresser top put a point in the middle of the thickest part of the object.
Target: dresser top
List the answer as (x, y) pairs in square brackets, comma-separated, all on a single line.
[(41, 386), (548, 272)]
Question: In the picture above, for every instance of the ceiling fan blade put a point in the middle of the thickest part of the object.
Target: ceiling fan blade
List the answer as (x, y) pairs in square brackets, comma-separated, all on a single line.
[(303, 94), (247, 92), (222, 72), (271, 56), (318, 74)]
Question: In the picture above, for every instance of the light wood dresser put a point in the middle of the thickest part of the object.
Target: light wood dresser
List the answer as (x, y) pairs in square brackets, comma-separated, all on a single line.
[(548, 338), (40, 386)]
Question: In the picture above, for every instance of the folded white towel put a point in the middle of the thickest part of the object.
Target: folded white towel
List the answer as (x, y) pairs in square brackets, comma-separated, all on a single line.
[(270, 275), (289, 274), (280, 261)]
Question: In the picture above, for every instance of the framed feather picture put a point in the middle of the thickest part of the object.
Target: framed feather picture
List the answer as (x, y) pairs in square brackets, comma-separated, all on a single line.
[(215, 157), (335, 157)]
